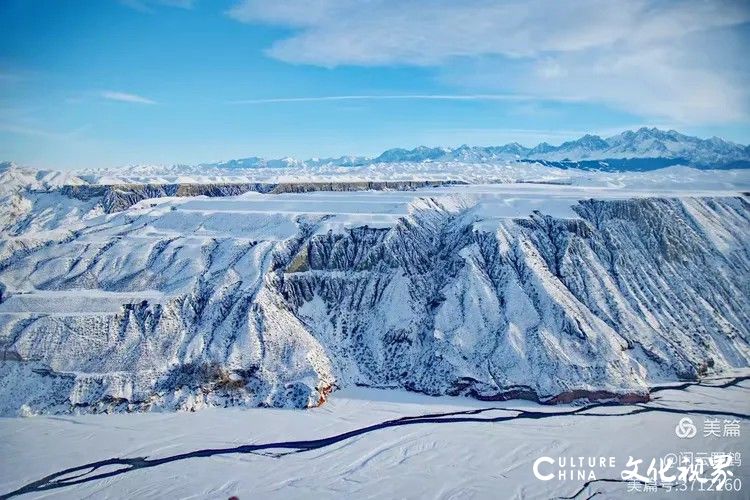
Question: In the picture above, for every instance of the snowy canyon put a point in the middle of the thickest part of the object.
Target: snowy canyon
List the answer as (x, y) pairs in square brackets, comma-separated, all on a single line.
[(506, 281)]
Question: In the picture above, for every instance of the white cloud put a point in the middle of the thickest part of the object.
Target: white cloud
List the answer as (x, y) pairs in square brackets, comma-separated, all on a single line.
[(30, 130), (182, 4), (124, 97), (416, 97), (645, 56), (146, 5)]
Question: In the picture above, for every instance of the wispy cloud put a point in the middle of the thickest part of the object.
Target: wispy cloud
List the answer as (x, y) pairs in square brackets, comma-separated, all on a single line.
[(681, 60), (21, 129), (147, 5), (15, 75), (416, 97), (124, 97), (339, 32)]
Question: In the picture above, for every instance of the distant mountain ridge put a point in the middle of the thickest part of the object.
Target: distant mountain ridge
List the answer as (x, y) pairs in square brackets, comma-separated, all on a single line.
[(642, 149)]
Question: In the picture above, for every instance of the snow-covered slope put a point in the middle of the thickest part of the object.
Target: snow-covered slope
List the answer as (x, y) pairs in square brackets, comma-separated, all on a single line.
[(276, 299), (14, 178)]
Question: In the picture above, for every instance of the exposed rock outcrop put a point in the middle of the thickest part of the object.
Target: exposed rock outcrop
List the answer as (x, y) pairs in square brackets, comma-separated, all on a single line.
[(632, 293), (118, 197)]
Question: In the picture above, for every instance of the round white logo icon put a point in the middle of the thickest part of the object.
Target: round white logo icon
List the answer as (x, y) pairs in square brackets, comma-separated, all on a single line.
[(685, 428)]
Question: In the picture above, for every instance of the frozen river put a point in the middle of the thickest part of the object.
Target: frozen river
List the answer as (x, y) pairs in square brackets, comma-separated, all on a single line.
[(369, 443)]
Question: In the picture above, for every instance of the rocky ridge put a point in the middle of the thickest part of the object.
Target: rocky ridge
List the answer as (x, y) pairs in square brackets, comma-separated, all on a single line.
[(125, 314)]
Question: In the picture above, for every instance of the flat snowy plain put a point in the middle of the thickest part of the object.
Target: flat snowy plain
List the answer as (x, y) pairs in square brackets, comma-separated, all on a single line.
[(455, 456)]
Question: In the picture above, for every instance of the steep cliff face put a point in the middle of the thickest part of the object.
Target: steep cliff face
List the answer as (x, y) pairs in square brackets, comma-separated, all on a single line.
[(634, 291), (168, 309), (119, 197)]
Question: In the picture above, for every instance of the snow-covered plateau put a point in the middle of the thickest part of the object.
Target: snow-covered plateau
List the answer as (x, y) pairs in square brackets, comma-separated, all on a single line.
[(507, 281), (442, 324)]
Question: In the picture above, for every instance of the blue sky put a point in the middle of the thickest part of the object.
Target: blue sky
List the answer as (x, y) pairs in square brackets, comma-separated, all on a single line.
[(106, 82)]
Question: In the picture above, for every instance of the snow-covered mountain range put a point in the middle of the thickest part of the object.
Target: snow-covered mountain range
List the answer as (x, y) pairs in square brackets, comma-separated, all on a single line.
[(641, 150), (647, 148)]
